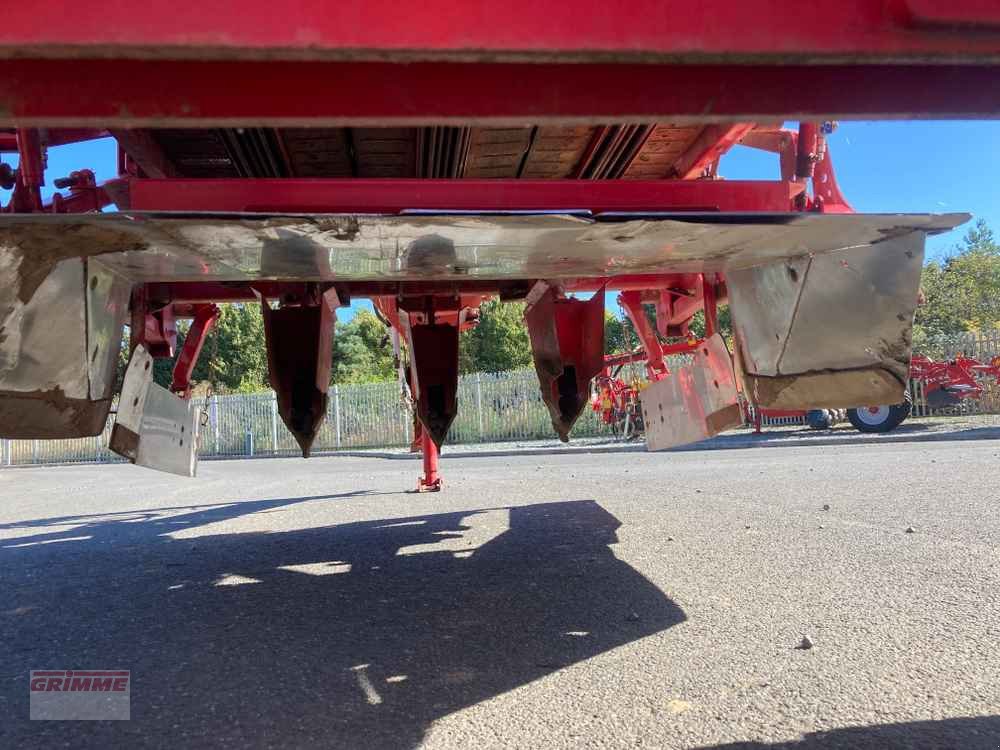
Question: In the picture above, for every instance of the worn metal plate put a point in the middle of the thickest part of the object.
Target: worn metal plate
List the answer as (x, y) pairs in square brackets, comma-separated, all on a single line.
[(107, 307), (694, 402), (161, 246), (831, 330), (153, 427)]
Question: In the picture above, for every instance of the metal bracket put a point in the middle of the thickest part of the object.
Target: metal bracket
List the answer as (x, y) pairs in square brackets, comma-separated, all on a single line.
[(696, 402), (567, 344), (153, 427)]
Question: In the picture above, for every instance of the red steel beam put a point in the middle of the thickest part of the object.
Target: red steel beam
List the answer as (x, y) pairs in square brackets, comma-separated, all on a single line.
[(393, 196), (197, 292), (204, 319), (711, 143), (524, 29), (117, 93)]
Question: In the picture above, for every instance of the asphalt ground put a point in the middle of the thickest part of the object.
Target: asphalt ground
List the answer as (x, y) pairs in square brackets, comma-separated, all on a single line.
[(540, 601)]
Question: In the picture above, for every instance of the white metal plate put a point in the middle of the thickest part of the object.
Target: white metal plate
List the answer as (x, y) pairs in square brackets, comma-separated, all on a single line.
[(153, 427)]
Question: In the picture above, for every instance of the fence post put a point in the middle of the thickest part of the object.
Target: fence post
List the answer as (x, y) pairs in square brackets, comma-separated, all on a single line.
[(336, 411), (213, 417), (274, 424), (8, 452), (479, 403)]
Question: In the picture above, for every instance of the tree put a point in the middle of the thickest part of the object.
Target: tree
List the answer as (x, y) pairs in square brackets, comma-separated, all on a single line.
[(617, 338), (498, 342), (962, 292), (362, 351)]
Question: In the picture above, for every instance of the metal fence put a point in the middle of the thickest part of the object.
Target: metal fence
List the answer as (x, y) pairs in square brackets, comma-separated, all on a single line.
[(492, 408)]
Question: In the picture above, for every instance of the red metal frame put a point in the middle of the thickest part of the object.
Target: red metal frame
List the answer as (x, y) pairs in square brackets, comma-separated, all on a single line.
[(117, 93), (205, 317), (392, 195), (532, 62), (851, 30), (431, 480)]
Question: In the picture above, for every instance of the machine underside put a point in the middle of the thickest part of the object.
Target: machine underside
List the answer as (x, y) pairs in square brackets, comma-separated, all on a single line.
[(431, 176)]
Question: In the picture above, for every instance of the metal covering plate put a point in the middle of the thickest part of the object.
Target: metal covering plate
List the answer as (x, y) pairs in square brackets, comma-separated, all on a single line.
[(694, 402), (158, 246), (829, 331), (153, 427)]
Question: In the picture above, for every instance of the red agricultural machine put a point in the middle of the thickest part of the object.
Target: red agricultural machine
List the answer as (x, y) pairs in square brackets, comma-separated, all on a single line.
[(427, 157)]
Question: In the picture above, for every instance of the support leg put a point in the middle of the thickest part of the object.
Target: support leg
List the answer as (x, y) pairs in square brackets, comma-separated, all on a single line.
[(430, 481)]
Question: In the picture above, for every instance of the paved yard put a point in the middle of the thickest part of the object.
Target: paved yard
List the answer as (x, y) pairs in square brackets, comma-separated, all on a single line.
[(551, 601)]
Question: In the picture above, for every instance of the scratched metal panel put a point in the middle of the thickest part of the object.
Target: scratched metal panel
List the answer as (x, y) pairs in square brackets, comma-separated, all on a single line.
[(107, 308), (43, 346), (851, 309), (190, 247)]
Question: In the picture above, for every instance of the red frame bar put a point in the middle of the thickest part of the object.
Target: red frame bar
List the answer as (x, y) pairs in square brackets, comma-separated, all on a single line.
[(205, 317), (631, 302), (392, 196), (117, 93), (524, 29)]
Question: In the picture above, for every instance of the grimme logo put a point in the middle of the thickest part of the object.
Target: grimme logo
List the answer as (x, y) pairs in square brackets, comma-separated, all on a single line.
[(80, 694)]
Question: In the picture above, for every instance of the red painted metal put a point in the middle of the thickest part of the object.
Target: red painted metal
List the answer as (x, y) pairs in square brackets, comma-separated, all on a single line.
[(710, 145), (949, 382), (205, 317), (392, 196), (807, 153), (631, 302), (672, 30), (567, 345), (30, 173), (155, 329), (431, 480), (710, 303), (54, 137), (385, 292), (433, 346), (117, 93), (299, 339)]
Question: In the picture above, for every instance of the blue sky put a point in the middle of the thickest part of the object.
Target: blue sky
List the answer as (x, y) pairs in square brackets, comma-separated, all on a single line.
[(890, 167)]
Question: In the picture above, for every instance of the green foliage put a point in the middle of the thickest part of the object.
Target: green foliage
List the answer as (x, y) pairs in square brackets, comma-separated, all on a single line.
[(617, 338), (362, 351), (234, 358), (499, 341), (962, 292), (725, 323)]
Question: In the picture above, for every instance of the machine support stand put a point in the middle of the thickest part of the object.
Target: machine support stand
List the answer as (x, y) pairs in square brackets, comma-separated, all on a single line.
[(431, 480)]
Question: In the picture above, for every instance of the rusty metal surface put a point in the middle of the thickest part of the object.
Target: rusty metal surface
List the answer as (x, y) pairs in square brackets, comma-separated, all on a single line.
[(846, 311), (205, 247), (695, 402)]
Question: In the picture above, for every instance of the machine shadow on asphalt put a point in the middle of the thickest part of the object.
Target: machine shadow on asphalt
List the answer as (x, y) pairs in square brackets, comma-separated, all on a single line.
[(962, 733), (332, 634)]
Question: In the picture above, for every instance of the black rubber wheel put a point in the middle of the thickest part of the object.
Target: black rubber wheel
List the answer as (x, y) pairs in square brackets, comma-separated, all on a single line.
[(879, 418), (819, 419)]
